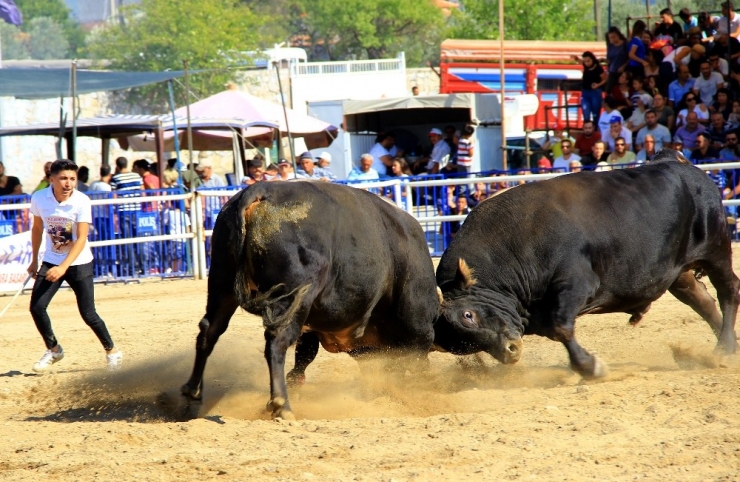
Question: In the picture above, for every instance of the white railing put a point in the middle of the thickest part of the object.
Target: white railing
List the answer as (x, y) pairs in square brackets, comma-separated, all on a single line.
[(349, 67)]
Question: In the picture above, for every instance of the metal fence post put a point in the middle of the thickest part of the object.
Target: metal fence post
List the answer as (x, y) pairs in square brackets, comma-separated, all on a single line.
[(195, 222), (200, 237), (397, 194)]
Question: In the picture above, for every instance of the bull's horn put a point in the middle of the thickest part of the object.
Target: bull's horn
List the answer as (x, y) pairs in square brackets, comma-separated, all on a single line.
[(465, 274)]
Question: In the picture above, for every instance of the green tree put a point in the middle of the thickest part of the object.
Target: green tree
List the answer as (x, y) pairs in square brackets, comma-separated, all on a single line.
[(159, 34), (57, 11), (46, 39), (14, 42), (369, 28), (544, 20)]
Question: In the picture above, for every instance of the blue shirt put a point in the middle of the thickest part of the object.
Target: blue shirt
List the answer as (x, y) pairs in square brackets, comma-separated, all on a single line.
[(676, 91), (640, 50), (359, 175)]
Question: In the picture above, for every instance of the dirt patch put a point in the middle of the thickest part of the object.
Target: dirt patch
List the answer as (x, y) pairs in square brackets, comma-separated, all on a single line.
[(668, 410)]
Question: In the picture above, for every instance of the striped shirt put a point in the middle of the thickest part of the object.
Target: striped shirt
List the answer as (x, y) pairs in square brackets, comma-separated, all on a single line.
[(465, 152), (127, 181)]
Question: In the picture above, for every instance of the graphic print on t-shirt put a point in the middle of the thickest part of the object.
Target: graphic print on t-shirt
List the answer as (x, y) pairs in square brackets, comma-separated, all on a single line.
[(59, 230)]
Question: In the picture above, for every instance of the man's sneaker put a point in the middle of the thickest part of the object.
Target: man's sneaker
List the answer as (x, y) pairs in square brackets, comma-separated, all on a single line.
[(115, 360), (48, 360)]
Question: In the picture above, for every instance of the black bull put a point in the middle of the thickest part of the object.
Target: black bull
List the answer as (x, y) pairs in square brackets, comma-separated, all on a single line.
[(327, 263), (534, 258)]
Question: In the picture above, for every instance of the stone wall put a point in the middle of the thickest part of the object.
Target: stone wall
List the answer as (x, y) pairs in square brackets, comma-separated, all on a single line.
[(24, 157)]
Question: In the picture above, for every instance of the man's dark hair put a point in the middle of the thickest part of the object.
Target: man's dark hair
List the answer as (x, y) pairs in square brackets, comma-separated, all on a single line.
[(651, 111), (684, 13), (142, 164), (254, 163), (610, 102), (705, 136), (83, 174), (666, 11), (121, 163), (171, 163), (728, 4), (620, 138), (62, 165), (104, 170), (468, 130)]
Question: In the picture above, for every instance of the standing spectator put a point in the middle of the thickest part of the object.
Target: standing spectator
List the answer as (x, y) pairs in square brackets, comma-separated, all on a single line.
[(585, 142), (567, 157), (660, 134), (285, 171), (143, 169), (637, 119), (621, 155), (729, 22), (255, 172), (622, 94), (666, 115), (679, 87), (688, 19), (730, 151), (616, 55), (592, 86), (598, 154), (382, 158), (636, 51), (65, 215), (691, 100), (44, 183), (668, 26), (365, 171), (465, 150), (414, 91), (128, 184), (207, 177), (616, 130), (707, 84), (689, 132), (102, 184), (170, 178), (439, 156), (696, 56), (708, 26), (9, 185), (83, 175), (648, 149), (704, 150)]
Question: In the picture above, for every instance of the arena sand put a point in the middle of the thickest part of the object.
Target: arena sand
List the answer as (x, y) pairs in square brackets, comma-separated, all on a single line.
[(669, 410)]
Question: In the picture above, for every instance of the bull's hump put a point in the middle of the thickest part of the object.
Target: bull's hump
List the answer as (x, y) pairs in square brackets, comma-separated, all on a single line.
[(265, 219)]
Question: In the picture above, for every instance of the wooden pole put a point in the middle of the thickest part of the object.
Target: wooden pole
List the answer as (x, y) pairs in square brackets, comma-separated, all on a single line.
[(503, 83)]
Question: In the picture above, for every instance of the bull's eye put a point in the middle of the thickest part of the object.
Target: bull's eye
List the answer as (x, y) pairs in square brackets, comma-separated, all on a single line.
[(468, 315)]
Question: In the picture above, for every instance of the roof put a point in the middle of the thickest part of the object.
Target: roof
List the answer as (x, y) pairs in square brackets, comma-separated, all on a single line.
[(461, 101), (517, 50)]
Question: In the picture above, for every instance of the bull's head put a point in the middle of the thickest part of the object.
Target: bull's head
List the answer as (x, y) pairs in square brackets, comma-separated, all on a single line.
[(474, 318)]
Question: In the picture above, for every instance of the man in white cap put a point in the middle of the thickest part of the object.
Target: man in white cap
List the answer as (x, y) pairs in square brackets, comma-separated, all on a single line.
[(324, 163), (207, 177), (439, 156)]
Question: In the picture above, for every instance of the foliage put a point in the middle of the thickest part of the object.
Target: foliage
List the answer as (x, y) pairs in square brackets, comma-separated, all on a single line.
[(545, 20), (14, 42), (57, 11), (46, 39), (368, 28), (160, 34)]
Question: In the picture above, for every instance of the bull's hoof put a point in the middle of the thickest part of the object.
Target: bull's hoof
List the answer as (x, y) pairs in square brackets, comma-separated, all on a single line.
[(278, 408), (295, 379), (194, 394), (600, 368), (726, 347)]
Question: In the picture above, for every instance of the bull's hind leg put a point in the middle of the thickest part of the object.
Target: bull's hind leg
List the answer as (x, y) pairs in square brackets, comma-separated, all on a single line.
[(691, 291), (283, 319), (220, 309), (727, 285), (305, 352)]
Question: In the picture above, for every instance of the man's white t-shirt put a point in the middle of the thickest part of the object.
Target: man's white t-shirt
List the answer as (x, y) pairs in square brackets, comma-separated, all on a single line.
[(377, 152), (60, 224), (563, 163)]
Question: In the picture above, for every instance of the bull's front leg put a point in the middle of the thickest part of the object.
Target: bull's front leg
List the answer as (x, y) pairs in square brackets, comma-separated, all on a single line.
[(276, 346)]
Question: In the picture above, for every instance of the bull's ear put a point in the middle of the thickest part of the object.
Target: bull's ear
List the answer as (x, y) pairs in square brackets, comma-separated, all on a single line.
[(465, 277)]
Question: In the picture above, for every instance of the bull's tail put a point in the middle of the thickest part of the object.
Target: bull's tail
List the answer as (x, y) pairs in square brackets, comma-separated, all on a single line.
[(239, 208)]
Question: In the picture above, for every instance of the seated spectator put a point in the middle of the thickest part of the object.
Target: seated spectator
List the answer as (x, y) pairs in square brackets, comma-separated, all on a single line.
[(271, 172), (697, 55), (9, 185), (708, 26), (170, 178), (648, 148), (382, 158), (690, 131), (722, 103), (637, 119), (554, 141), (704, 150), (666, 115), (678, 89), (561, 162), (285, 171), (679, 146), (365, 171), (621, 155), (308, 169), (255, 172), (688, 19), (585, 142), (622, 94), (575, 166), (668, 26), (708, 83), (730, 150), (45, 182), (718, 130), (719, 64), (438, 158), (598, 154), (616, 129), (324, 163), (478, 194), (692, 105), (400, 168), (83, 176), (207, 177), (659, 133), (610, 110), (543, 165)]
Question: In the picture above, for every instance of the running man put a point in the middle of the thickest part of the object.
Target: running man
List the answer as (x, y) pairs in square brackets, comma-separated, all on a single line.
[(65, 214)]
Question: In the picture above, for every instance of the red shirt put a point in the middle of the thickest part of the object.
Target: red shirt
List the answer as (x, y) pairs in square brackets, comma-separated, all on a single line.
[(151, 181), (585, 145)]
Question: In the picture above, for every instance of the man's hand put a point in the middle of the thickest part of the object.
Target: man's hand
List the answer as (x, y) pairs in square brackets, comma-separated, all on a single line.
[(33, 268), (55, 273)]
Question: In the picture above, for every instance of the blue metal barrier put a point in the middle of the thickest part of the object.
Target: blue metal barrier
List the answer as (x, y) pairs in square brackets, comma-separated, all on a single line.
[(211, 207)]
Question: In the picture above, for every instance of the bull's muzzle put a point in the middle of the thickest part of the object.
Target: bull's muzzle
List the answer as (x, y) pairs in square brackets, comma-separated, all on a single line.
[(512, 351)]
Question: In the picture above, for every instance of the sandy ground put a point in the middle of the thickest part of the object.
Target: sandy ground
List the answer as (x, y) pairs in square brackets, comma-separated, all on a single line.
[(669, 410)]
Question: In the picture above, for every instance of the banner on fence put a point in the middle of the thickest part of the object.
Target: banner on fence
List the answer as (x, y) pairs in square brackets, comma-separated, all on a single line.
[(15, 256)]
